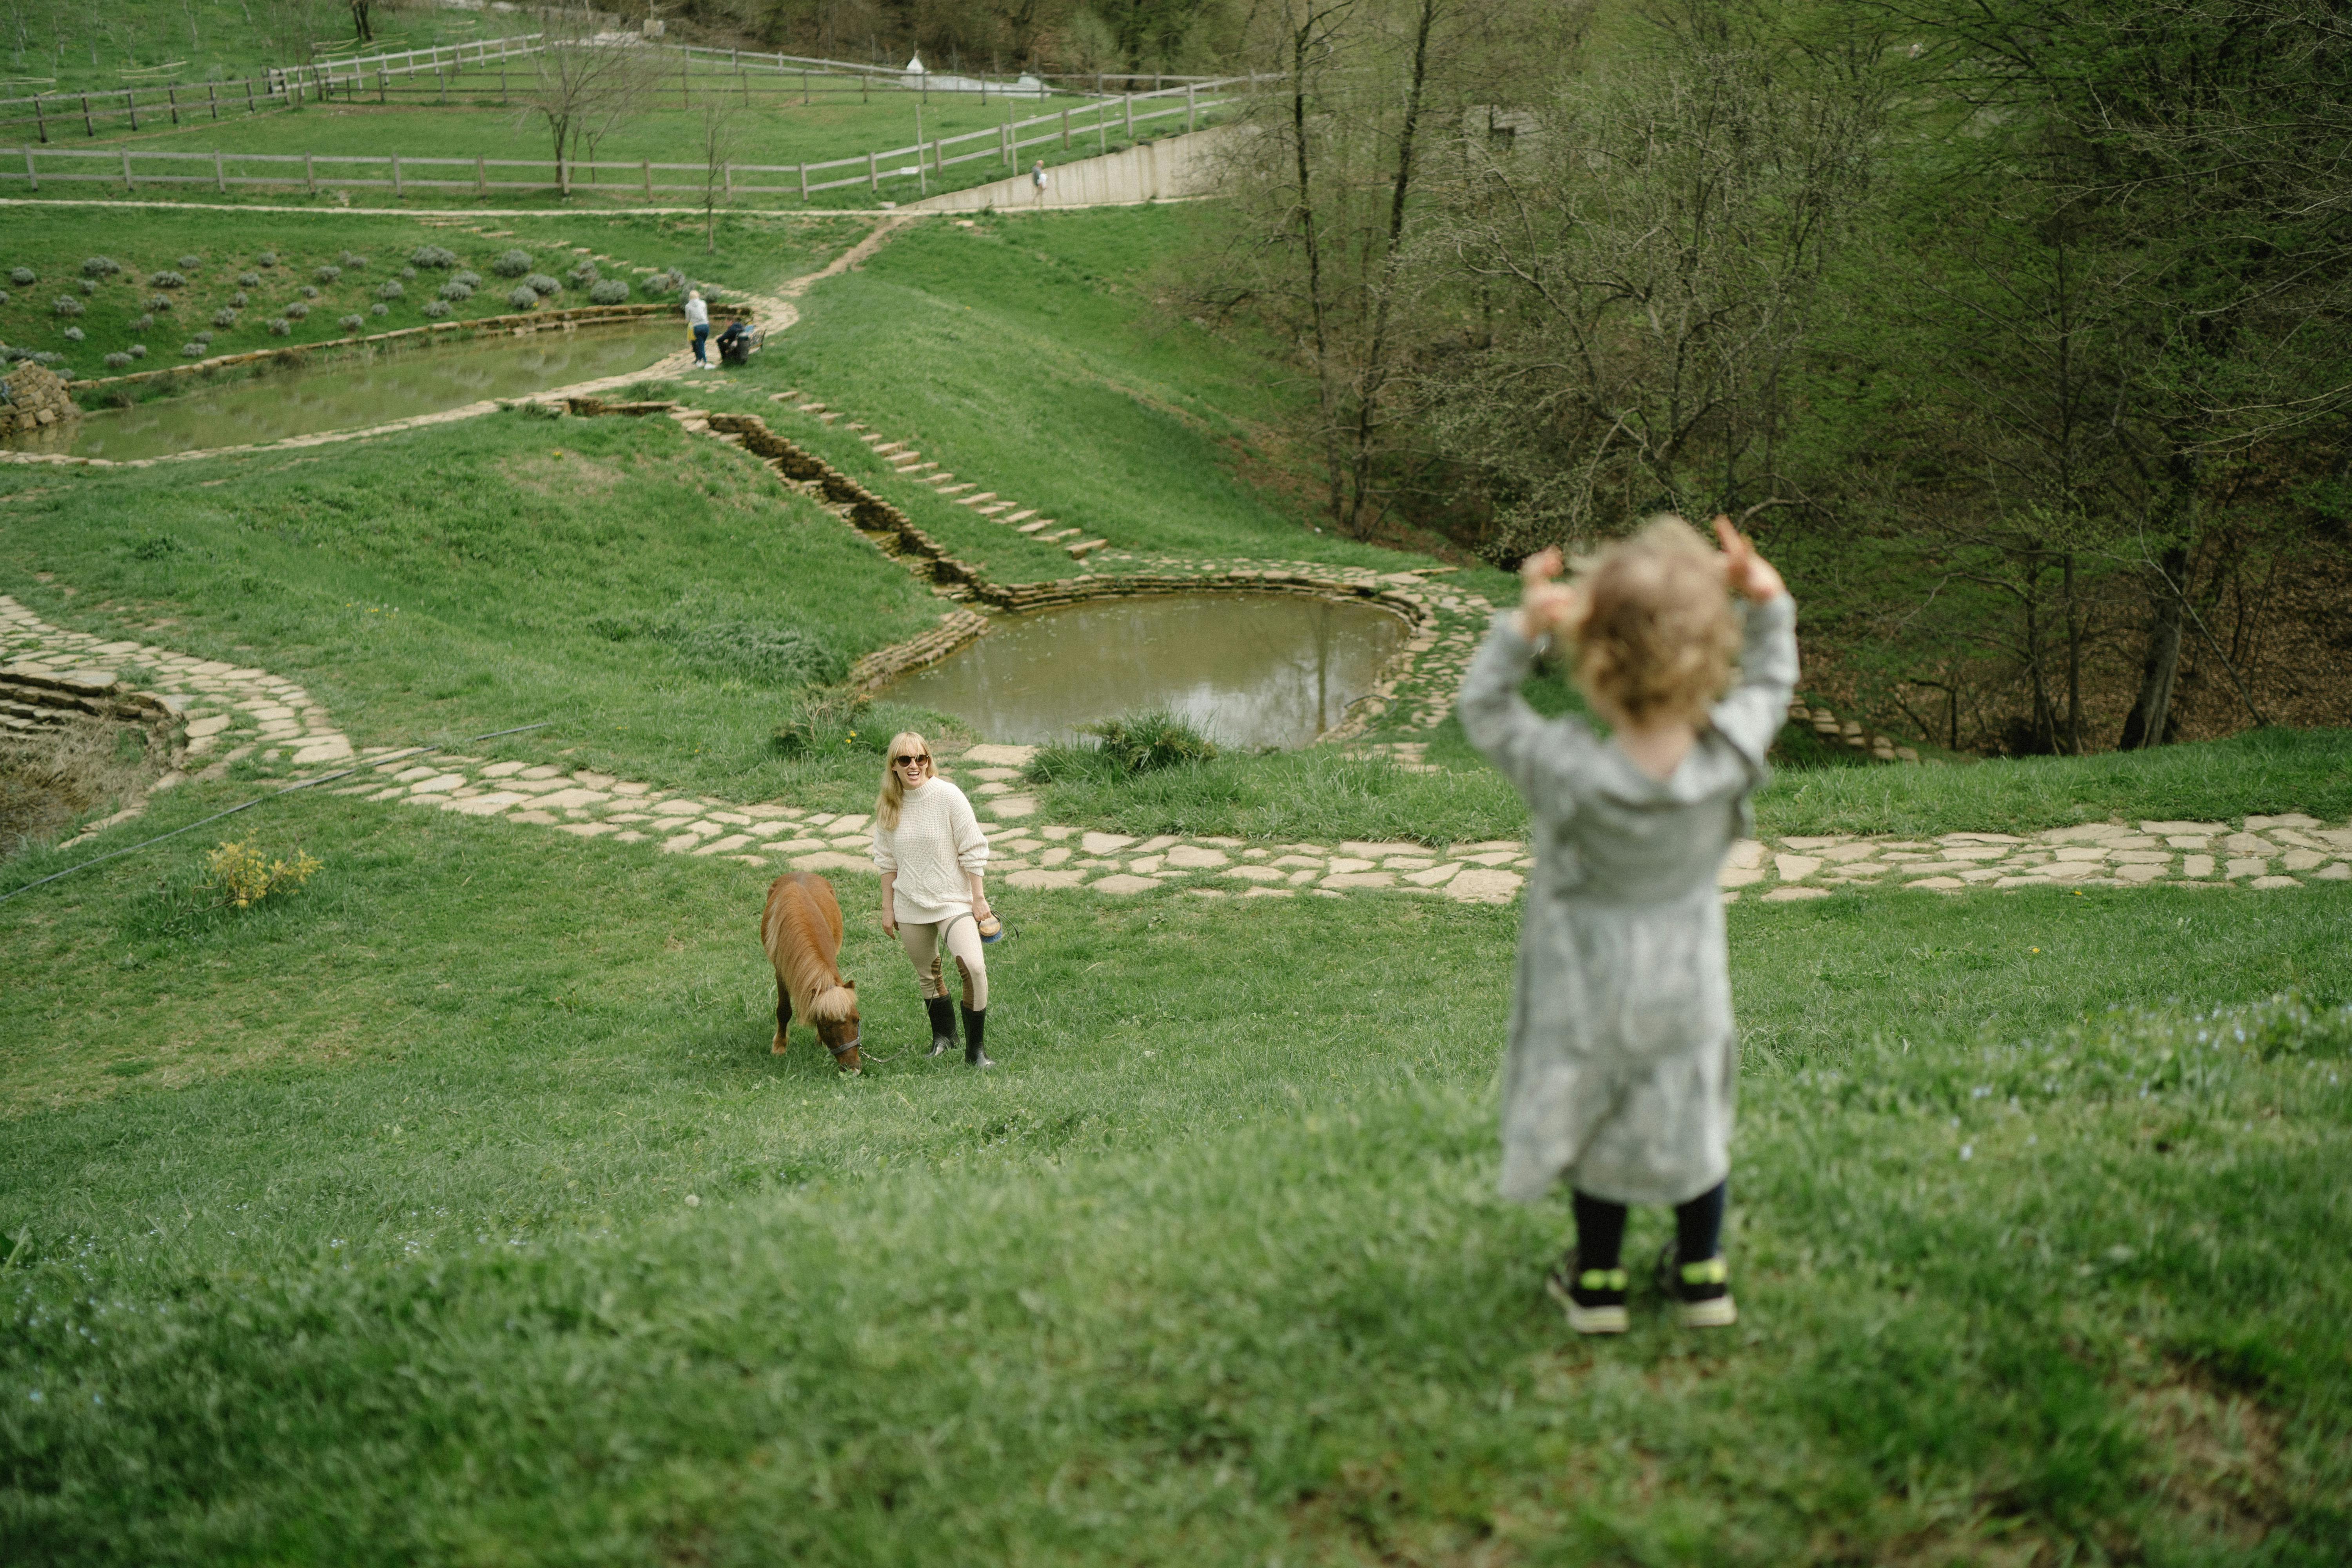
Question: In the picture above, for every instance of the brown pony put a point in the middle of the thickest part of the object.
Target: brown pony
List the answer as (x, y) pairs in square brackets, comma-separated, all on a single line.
[(800, 929)]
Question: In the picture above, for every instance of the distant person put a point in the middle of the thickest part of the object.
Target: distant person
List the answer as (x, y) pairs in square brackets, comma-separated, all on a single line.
[(697, 317), (1624, 1063), (1039, 179), (932, 853), (735, 343)]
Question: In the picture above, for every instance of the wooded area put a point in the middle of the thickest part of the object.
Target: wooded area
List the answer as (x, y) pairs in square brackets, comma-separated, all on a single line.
[(2017, 328)]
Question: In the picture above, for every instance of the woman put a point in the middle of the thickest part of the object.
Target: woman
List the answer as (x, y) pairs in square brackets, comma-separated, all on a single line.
[(697, 317), (931, 852)]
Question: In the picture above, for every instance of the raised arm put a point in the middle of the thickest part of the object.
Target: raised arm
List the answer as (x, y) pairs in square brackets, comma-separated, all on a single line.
[(1756, 706)]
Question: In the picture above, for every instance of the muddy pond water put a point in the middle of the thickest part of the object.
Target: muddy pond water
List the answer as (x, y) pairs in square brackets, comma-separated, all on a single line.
[(354, 389), (1247, 669)]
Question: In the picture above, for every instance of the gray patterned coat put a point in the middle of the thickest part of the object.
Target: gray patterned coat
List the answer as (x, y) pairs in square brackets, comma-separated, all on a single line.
[(1623, 1062)]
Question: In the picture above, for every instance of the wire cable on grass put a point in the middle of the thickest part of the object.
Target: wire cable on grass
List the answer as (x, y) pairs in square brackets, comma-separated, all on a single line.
[(289, 789)]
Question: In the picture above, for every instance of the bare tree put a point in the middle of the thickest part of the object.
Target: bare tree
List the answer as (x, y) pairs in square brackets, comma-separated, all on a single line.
[(717, 150), (583, 84)]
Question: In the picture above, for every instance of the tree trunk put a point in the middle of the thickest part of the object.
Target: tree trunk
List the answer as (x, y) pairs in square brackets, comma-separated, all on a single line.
[(1312, 242), (2151, 714), (2073, 662)]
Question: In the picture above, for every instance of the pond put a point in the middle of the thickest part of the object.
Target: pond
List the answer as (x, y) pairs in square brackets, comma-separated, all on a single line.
[(354, 389), (1247, 669)]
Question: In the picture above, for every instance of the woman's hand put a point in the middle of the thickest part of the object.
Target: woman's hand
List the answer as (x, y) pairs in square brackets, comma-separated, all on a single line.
[(1744, 571), (1548, 607)]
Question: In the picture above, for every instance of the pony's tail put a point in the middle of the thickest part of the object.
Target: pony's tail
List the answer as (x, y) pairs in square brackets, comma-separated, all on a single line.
[(834, 1005)]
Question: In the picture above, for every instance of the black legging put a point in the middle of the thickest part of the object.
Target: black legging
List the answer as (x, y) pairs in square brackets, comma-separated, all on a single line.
[(1601, 1229)]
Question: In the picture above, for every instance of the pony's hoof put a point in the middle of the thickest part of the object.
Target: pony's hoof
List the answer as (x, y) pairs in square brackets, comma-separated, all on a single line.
[(776, 1049)]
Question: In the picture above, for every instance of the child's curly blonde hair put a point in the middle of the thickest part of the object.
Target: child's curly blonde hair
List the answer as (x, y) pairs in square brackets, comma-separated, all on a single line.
[(1657, 634)]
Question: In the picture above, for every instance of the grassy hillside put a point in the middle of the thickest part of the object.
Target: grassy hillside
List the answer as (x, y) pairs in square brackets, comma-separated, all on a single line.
[(565, 1265), (215, 252)]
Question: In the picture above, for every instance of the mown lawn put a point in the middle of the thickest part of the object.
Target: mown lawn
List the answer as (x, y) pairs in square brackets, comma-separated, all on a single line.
[(359, 1229)]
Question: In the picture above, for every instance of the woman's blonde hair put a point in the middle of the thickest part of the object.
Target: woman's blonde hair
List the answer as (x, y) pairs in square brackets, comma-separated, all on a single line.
[(1658, 634), (886, 805)]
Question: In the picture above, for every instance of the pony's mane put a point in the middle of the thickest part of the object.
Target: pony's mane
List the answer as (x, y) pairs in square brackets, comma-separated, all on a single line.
[(802, 946)]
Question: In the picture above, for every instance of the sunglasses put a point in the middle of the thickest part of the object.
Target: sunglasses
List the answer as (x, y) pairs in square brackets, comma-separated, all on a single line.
[(902, 762)]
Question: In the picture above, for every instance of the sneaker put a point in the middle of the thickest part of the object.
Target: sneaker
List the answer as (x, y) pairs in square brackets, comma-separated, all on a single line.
[(1701, 1291), (1594, 1298)]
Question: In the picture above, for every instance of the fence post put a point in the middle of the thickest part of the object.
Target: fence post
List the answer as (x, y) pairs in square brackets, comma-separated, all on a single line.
[(804, 93), (481, 178), (220, 181), (873, 174), (1130, 117), (647, 168), (502, 80), (396, 190), (87, 127), (727, 181), (128, 184), (1191, 108), (310, 175), (803, 182), (685, 81), (211, 95), (249, 108), (31, 173), (39, 120), (131, 99), (1102, 127), (1066, 130), (1004, 143), (172, 98)]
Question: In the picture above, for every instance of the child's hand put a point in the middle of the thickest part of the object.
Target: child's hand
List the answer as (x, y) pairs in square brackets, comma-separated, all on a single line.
[(1744, 571), (1548, 607)]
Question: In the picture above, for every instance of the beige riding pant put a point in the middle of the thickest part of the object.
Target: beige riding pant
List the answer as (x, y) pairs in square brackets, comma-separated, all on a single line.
[(960, 933)]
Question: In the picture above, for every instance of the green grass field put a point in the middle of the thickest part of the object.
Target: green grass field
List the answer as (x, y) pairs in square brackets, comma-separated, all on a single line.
[(453, 1209), (754, 253)]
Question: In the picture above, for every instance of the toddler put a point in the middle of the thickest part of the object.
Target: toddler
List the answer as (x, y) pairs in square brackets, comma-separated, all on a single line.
[(1624, 1064)]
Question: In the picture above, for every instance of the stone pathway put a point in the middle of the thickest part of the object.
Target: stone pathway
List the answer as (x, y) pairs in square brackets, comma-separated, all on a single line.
[(234, 712)]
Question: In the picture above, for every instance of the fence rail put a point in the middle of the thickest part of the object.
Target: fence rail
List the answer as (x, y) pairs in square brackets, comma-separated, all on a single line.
[(1067, 130), (182, 103)]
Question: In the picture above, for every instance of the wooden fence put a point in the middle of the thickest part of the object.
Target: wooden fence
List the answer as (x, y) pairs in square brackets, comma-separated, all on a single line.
[(1066, 130), (52, 114)]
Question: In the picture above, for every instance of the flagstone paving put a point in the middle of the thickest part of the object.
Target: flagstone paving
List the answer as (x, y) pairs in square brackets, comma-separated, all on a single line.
[(236, 713)]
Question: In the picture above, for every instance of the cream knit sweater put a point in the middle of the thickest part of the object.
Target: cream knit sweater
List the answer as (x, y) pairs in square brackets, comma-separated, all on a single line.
[(935, 849)]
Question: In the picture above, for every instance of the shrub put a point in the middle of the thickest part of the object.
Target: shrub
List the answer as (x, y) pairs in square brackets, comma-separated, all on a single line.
[(582, 275), (408, 272), (242, 876), (142, 323), (354, 260), (296, 310), (159, 302), (1134, 743), (248, 279), (166, 280), (4, 296), (609, 291), (240, 300), (309, 292), (391, 291), (432, 256), (205, 339), (379, 309), (453, 290), (90, 285), (24, 277), (468, 279), (74, 334), (68, 306), (279, 326), (351, 324), (117, 361), (523, 298), (541, 283), (190, 263), (825, 721), (225, 317), (512, 263), (328, 274), (191, 350), (266, 258), (138, 350), (100, 266), (437, 308)]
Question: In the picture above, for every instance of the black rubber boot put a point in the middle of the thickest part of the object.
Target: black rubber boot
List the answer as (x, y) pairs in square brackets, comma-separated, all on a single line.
[(975, 1030), (942, 1012)]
